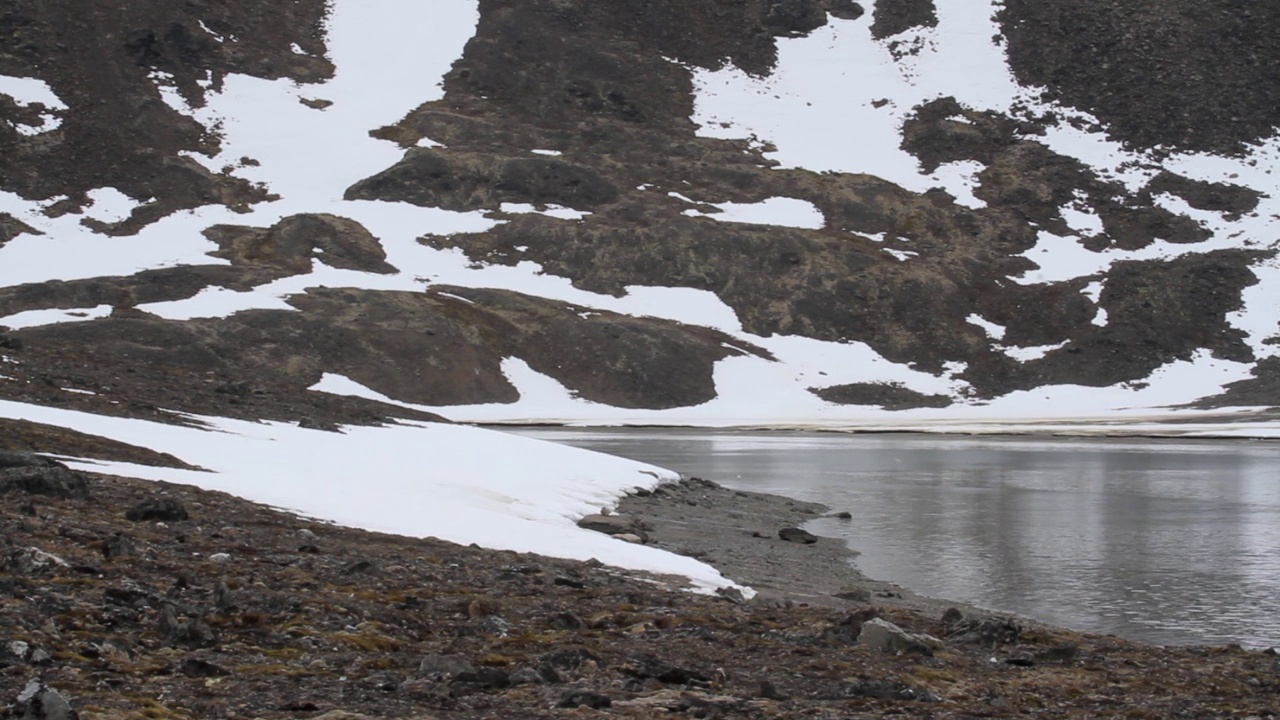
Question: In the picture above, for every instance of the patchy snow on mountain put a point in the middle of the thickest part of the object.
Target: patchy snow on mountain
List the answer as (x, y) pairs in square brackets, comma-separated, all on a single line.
[(835, 103)]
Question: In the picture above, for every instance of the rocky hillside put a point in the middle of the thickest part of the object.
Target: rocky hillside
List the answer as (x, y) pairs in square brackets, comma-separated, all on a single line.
[(198, 213)]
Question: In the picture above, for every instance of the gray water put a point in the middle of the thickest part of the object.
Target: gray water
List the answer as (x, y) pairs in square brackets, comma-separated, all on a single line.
[(1169, 542)]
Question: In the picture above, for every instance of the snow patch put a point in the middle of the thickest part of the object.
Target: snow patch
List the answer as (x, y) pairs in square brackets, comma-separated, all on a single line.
[(994, 331), (30, 91), (555, 211), (783, 211), (109, 205), (37, 318)]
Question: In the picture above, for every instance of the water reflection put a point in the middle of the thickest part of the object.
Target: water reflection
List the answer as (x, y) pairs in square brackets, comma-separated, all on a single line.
[(1165, 541)]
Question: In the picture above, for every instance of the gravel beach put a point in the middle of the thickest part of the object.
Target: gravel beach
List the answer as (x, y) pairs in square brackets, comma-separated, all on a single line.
[(129, 599)]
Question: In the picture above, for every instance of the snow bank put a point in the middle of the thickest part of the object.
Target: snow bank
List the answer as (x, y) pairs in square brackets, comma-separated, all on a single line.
[(462, 484)]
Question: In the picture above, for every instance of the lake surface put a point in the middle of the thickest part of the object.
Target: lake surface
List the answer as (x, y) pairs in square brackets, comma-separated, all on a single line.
[(1170, 542)]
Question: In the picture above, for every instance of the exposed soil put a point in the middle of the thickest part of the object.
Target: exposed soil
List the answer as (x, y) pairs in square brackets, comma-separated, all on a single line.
[(216, 607)]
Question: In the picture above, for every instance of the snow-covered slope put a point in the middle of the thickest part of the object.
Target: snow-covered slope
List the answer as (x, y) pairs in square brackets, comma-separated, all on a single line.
[(840, 111)]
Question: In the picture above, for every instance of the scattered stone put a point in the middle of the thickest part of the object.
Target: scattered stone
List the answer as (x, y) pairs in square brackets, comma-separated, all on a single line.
[(222, 596), (34, 561), (444, 666), (951, 616), (38, 701), (796, 535), (496, 626), (220, 557), (768, 597), (568, 582), (40, 656), (732, 594), (313, 424), (582, 698), (880, 634), (570, 660), (648, 666), (118, 546), (855, 595), (163, 510), (483, 607), (360, 566), (567, 621), (38, 475), (843, 515), (199, 668), (614, 525), (988, 631), (192, 634), (18, 650), (630, 537), (887, 690), (485, 677), (769, 691), (1021, 659), (1066, 652), (526, 676)]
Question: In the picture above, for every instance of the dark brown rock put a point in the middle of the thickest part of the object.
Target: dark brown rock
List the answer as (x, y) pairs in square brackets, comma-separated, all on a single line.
[(38, 701), (890, 396), (896, 16), (158, 509), (796, 535), (36, 475), (11, 227), (290, 246)]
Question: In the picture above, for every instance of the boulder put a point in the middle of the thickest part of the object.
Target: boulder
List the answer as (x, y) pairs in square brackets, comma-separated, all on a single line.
[(38, 475), (118, 545), (615, 525), (444, 666), (163, 509), (796, 535), (38, 701), (584, 698), (33, 561), (882, 635)]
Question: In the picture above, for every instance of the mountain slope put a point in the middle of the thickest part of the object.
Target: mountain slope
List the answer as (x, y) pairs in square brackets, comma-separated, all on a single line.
[(899, 219), (793, 213)]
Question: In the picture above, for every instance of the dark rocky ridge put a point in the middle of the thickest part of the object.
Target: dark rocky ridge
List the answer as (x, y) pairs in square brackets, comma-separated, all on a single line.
[(886, 395), (1197, 75)]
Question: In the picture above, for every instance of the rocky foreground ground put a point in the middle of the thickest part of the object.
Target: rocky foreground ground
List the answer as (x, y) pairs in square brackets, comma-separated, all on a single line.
[(123, 598)]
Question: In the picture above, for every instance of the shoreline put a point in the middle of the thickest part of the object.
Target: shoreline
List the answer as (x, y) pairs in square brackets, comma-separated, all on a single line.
[(130, 598), (736, 531), (1209, 426)]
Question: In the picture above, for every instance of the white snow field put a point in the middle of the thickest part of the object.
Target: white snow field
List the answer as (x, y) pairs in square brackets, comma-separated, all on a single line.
[(454, 482), (469, 485)]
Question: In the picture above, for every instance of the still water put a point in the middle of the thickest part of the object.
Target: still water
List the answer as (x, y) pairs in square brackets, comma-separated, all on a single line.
[(1170, 542)]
